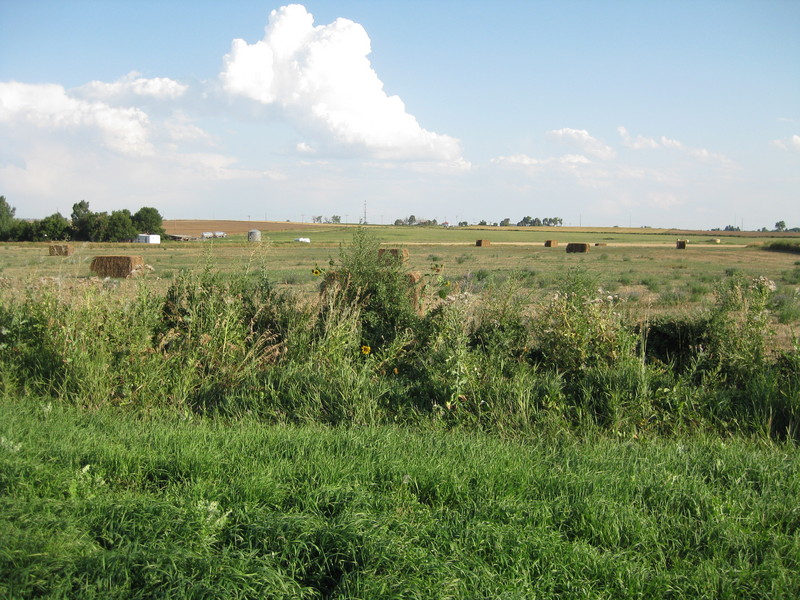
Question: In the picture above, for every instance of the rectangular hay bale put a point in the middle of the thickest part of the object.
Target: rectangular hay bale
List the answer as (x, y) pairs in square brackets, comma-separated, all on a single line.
[(116, 266), (550, 243), (681, 245), (577, 247), (61, 250), (483, 243)]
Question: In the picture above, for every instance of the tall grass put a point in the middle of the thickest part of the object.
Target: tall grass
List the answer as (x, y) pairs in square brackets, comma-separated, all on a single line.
[(122, 504)]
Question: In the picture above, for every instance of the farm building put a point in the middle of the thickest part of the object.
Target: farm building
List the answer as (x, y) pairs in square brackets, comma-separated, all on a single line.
[(145, 238)]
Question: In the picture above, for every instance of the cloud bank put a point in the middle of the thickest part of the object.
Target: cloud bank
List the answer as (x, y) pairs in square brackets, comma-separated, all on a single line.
[(321, 79)]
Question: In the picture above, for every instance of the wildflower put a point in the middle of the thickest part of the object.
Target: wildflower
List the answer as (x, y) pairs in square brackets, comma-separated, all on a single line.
[(316, 272), (396, 371), (365, 349)]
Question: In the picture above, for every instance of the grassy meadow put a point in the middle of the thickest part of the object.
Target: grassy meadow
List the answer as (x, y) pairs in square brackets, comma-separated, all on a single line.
[(288, 420)]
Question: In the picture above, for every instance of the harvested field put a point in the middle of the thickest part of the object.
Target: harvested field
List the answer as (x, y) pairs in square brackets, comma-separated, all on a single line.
[(194, 228)]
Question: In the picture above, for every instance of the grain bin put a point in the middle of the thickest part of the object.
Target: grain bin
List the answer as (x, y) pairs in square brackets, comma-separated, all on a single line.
[(254, 235)]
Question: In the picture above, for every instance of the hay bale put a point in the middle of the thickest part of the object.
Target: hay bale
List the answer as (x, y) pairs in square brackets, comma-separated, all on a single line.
[(116, 266), (254, 235), (483, 243), (61, 250), (577, 247), (550, 243), (681, 244), (601, 244), (397, 253)]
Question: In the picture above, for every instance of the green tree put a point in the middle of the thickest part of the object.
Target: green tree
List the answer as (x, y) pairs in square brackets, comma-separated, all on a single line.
[(98, 227), (6, 219), (55, 227), (149, 220), (780, 226), (82, 219), (505, 222), (120, 226)]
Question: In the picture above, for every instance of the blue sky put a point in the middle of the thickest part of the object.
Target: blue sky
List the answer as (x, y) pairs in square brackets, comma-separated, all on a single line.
[(667, 114)]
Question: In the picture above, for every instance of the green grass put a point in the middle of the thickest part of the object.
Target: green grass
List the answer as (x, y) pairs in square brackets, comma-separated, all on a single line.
[(110, 504)]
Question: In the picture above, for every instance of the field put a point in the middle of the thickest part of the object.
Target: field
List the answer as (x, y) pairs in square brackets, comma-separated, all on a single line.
[(513, 422)]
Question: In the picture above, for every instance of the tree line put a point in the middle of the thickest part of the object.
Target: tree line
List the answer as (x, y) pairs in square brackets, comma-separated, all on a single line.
[(83, 225)]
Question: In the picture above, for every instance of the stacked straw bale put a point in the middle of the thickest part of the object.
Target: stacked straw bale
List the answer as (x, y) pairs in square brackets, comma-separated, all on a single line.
[(483, 243), (117, 266), (61, 250), (681, 244), (550, 243), (577, 247)]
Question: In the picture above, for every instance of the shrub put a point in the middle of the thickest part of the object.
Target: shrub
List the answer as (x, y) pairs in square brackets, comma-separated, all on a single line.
[(388, 298)]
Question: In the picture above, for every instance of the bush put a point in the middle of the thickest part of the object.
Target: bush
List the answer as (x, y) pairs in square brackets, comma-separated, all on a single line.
[(388, 298)]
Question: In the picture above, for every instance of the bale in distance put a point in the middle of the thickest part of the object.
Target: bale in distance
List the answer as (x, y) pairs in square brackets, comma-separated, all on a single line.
[(483, 243), (601, 244), (550, 243), (117, 266), (577, 247), (254, 235), (61, 250), (681, 244)]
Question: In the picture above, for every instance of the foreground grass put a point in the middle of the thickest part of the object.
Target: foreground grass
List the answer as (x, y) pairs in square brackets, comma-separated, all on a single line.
[(118, 504)]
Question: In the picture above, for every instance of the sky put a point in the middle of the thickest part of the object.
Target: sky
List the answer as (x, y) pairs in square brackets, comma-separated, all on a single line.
[(680, 114)]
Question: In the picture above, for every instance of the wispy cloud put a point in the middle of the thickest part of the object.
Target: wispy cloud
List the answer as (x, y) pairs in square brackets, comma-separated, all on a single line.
[(791, 144), (699, 154), (580, 139), (322, 81)]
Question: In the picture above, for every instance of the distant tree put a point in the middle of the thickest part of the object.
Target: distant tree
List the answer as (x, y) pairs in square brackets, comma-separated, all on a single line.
[(399, 222), (412, 220), (525, 222), (55, 228), (336, 219), (81, 218), (505, 222), (463, 224), (780, 226), (731, 228), (149, 220), (120, 226), (6, 219), (537, 222), (483, 222)]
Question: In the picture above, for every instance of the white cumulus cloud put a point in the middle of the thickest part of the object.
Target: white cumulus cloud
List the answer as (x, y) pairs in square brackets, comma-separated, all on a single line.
[(581, 139), (322, 80), (49, 107)]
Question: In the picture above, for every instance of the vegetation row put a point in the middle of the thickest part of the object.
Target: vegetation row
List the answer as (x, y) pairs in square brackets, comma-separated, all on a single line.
[(383, 346)]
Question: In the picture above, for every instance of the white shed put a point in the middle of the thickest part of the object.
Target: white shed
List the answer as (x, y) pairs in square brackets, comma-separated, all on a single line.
[(146, 238)]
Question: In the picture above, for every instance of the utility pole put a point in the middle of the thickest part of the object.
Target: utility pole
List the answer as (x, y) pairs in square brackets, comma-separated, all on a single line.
[(365, 211)]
